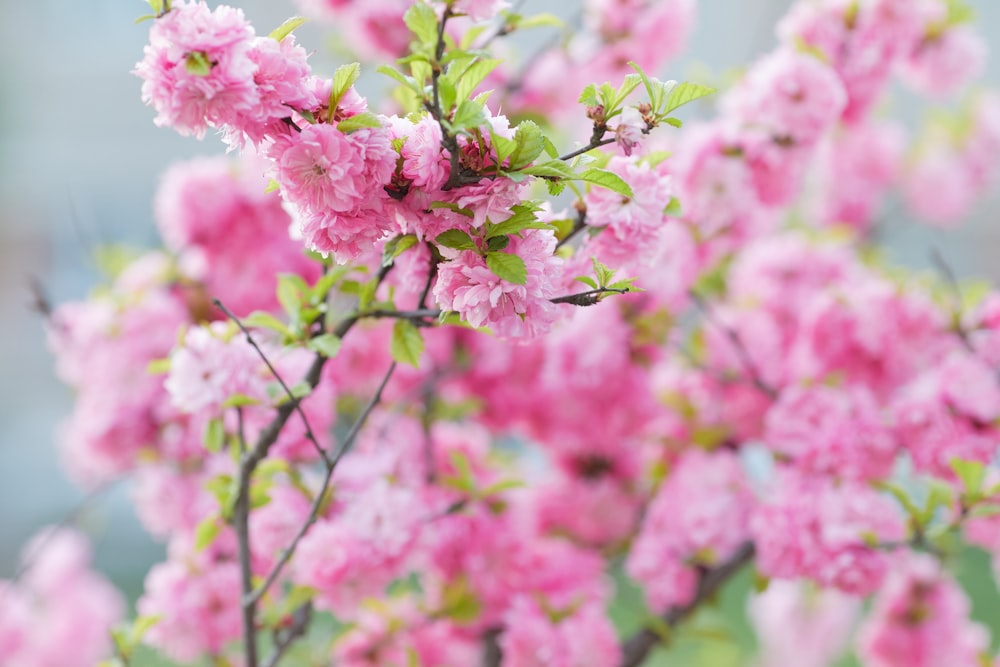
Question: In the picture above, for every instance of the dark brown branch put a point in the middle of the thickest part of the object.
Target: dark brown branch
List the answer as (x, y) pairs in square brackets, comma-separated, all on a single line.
[(637, 648), (734, 338), (590, 297), (578, 225), (318, 501), (301, 618), (295, 401), (956, 292)]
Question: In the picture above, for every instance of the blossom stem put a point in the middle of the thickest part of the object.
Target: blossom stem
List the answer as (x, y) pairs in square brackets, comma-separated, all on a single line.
[(637, 648)]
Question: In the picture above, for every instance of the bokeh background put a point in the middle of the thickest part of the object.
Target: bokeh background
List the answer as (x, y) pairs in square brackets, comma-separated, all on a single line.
[(79, 163)]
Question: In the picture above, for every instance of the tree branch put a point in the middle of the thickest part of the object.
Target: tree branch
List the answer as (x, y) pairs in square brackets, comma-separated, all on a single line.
[(295, 401), (253, 596), (283, 641), (637, 648), (741, 351)]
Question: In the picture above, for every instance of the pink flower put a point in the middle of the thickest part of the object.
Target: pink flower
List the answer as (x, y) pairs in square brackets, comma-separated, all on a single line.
[(60, 612), (838, 432), (194, 600), (215, 213), (335, 181), (212, 365), (533, 638), (197, 71), (798, 623), (468, 286), (699, 516), (634, 223), (790, 95), (921, 619), (942, 65), (826, 539)]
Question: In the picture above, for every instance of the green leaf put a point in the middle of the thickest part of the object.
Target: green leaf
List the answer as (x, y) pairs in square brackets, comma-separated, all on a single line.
[(215, 435), (673, 208), (609, 180), (496, 243), (198, 64), (407, 343), (539, 21), (684, 93), (206, 532), (586, 280), (343, 79), (156, 5), (523, 218), (468, 115), (423, 23), (158, 366), (145, 17), (240, 400), (553, 169), (327, 344), (675, 122), (451, 206), (473, 75), (358, 121), (286, 28), (603, 273), (502, 146), (530, 143), (398, 76), (507, 267), (292, 289), (396, 246), (589, 96), (455, 239), (971, 473), (272, 186), (141, 626), (260, 319), (650, 91)]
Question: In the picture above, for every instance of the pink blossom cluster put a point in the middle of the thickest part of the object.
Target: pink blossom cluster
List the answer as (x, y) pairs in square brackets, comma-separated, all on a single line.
[(772, 393), (59, 613)]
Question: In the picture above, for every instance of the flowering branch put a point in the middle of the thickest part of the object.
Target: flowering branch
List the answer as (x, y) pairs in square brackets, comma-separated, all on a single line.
[(737, 342), (637, 647), (295, 401), (331, 465), (301, 618)]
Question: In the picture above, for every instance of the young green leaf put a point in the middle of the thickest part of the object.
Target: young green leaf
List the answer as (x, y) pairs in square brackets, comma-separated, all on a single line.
[(343, 78), (215, 435), (263, 320), (286, 28), (553, 169), (198, 64), (684, 93), (407, 343), (396, 246), (508, 267), (358, 121), (423, 23), (327, 344), (473, 75), (455, 239), (609, 180), (206, 532), (530, 143), (468, 115)]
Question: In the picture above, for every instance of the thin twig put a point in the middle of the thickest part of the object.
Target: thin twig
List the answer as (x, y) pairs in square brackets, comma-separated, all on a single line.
[(241, 525), (956, 291), (319, 500), (590, 297), (68, 519), (295, 401), (578, 225), (637, 648), (301, 618), (589, 147), (734, 338)]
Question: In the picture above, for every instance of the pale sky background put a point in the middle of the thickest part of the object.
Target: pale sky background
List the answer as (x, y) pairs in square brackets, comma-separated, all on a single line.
[(79, 162)]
